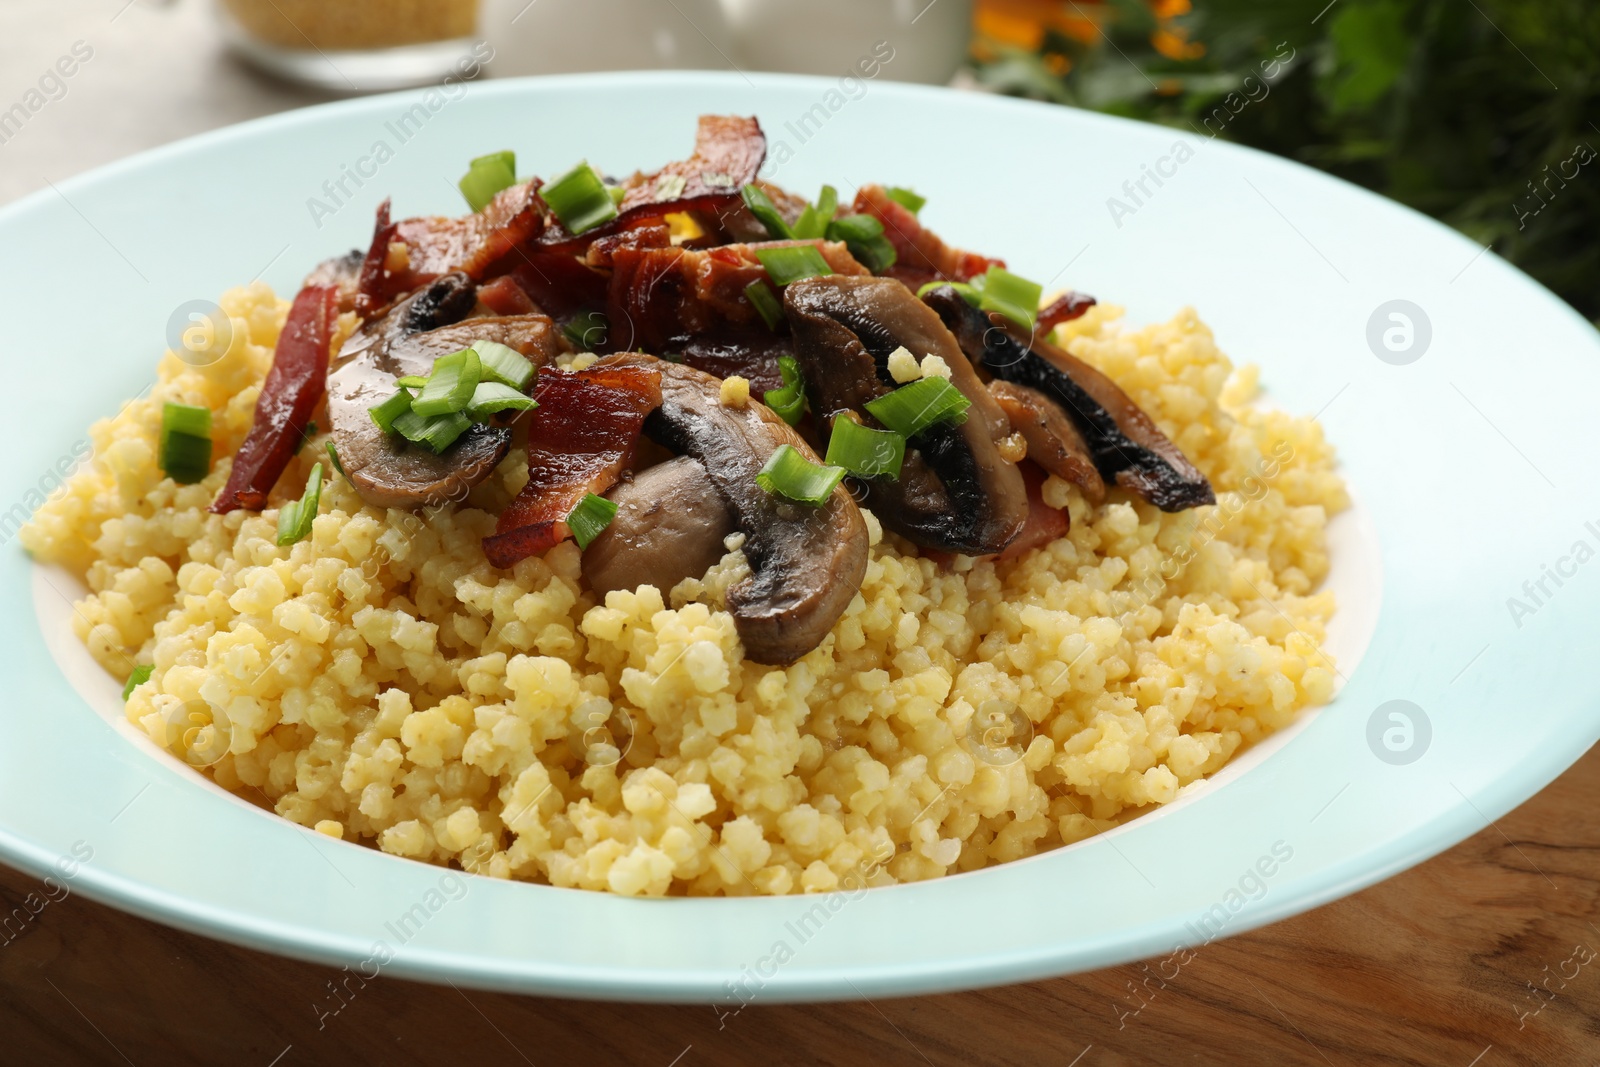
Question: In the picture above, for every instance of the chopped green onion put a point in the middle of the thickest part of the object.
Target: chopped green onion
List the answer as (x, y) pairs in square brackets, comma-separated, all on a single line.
[(1011, 295), (906, 198), (669, 187), (486, 176), (918, 405), (762, 207), (295, 517), (385, 413), (968, 293), (592, 515), (451, 384), (505, 158), (998, 290), (579, 199), (617, 193), (185, 442), (762, 298), (790, 263), (437, 433), (139, 676), (333, 457), (863, 234), (411, 381), (862, 450), (813, 221), (790, 475), (502, 363), (491, 397), (790, 401), (587, 330), (309, 432)]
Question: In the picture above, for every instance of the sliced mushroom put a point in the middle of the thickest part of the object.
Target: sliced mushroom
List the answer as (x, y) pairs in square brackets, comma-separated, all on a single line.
[(1053, 442), (341, 272), (385, 469), (670, 525), (1126, 444), (806, 563), (955, 491)]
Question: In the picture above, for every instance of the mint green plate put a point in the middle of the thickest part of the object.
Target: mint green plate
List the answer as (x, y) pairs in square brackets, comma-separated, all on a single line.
[(1467, 444)]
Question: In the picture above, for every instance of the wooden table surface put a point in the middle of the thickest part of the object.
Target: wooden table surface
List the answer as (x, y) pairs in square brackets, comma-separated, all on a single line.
[(1485, 956), (1475, 959)]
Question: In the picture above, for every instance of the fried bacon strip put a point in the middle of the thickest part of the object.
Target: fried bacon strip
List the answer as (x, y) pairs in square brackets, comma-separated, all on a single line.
[(292, 391), (691, 302), (409, 254), (504, 296), (1045, 523), (1064, 308), (728, 151), (920, 256), (580, 440), (560, 284)]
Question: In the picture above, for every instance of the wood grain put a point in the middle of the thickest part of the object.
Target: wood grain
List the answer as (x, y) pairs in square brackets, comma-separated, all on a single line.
[(1442, 965)]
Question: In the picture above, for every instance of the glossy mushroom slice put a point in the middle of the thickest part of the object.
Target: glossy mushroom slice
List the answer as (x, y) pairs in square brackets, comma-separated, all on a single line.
[(955, 492), (806, 563), (1053, 442), (1126, 444), (343, 274), (385, 469), (670, 525)]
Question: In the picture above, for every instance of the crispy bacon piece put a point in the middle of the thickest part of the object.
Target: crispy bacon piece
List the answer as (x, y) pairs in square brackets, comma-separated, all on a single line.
[(728, 151), (1064, 308), (408, 254), (580, 440), (652, 234), (1044, 524), (504, 296), (560, 283), (292, 391), (691, 303), (920, 256)]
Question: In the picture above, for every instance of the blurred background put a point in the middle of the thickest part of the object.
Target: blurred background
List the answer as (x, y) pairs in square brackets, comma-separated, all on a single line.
[(1481, 113)]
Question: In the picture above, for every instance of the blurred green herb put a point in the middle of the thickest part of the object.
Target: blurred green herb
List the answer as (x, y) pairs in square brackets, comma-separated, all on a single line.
[(1484, 114)]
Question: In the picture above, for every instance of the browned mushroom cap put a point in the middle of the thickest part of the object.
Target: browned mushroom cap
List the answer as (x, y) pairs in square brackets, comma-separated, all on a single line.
[(385, 469), (670, 525), (806, 563), (955, 491), (1126, 445), (1053, 442), (341, 272)]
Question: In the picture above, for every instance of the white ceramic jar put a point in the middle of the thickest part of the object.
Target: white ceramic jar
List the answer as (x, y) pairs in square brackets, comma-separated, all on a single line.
[(560, 36), (928, 38)]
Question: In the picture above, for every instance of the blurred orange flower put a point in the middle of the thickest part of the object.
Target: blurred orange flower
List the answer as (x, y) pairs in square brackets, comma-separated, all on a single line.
[(1023, 23), (1173, 42)]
